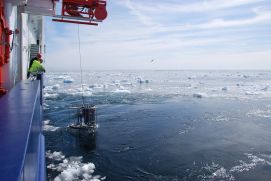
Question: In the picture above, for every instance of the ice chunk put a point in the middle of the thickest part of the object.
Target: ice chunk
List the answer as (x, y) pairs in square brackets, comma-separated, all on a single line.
[(72, 168), (220, 173), (93, 86), (97, 86), (142, 81), (252, 93), (127, 84), (50, 95), (122, 91), (47, 127), (149, 89), (55, 87), (58, 156), (50, 128), (199, 95), (266, 88), (68, 80), (117, 85), (59, 78), (46, 121)]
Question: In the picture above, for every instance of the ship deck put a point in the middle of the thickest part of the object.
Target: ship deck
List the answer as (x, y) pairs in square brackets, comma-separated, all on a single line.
[(22, 142)]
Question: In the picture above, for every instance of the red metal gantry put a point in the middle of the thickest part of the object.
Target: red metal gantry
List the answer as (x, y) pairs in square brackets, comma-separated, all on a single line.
[(82, 12)]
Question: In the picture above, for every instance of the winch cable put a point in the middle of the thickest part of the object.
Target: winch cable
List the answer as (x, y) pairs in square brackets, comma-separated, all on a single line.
[(80, 59)]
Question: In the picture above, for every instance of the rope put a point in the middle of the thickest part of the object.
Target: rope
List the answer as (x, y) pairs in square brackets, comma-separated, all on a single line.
[(80, 58)]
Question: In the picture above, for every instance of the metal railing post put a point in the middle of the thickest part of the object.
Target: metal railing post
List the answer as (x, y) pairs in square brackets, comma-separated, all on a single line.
[(40, 78)]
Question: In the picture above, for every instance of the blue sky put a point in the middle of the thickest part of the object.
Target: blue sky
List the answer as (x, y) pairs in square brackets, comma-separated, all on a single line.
[(177, 34)]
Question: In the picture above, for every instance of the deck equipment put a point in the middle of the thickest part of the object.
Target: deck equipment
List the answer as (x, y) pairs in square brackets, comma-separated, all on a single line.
[(86, 117), (85, 120), (88, 12)]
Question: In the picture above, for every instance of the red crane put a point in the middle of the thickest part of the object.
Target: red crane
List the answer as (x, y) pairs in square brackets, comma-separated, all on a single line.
[(88, 12)]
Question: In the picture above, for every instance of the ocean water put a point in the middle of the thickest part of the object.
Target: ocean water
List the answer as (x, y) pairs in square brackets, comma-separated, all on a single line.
[(161, 125)]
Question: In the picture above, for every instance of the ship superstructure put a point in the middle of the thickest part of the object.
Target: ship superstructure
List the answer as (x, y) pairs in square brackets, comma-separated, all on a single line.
[(22, 28), (22, 145)]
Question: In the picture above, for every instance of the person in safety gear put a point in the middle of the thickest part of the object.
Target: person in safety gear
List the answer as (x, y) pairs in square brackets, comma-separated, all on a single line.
[(38, 57), (36, 67)]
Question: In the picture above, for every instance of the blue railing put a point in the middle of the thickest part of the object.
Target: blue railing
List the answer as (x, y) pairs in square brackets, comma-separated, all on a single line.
[(22, 150)]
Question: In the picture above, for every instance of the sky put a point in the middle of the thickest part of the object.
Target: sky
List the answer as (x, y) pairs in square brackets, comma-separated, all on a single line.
[(166, 35)]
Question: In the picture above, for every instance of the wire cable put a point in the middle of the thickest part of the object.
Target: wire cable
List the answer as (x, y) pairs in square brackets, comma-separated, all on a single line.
[(80, 58)]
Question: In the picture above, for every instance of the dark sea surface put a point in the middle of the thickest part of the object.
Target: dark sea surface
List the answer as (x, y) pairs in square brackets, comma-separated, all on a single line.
[(161, 125)]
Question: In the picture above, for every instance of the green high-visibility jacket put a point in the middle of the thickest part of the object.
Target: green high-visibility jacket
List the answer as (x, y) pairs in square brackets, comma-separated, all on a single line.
[(36, 67)]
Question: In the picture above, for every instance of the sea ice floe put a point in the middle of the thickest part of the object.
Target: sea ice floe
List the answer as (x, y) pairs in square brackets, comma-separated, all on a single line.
[(59, 78), (55, 87), (87, 93), (46, 121), (97, 87), (111, 85), (68, 80), (117, 85), (79, 91), (83, 88), (72, 168), (105, 86), (250, 93), (57, 156), (127, 84), (220, 118), (266, 88), (148, 89), (94, 86), (189, 78), (50, 95), (50, 128), (122, 91), (199, 95), (47, 127), (124, 81), (141, 80)]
